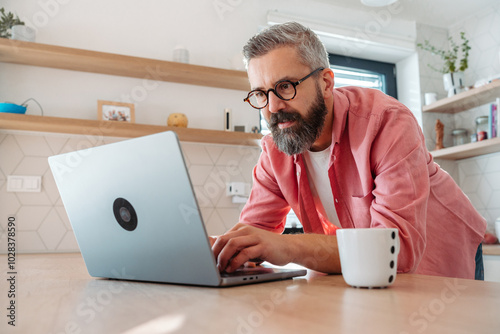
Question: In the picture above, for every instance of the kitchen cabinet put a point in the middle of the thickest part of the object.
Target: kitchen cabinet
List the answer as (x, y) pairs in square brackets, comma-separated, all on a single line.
[(36, 54), (461, 102)]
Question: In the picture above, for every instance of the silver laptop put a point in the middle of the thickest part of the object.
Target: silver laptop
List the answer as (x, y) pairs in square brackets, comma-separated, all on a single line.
[(135, 216)]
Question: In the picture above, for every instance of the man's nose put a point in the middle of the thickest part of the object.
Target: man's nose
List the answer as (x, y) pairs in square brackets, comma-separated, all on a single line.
[(274, 103)]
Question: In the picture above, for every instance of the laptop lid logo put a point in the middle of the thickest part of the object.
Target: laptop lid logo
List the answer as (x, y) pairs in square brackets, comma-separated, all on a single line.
[(125, 214)]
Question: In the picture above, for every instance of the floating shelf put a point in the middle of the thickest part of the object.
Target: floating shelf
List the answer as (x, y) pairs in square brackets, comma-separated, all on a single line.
[(468, 150), (466, 100), (36, 54), (491, 249), (122, 129)]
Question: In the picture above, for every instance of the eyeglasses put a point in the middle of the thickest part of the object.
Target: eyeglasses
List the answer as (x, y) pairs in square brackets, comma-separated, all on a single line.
[(284, 89)]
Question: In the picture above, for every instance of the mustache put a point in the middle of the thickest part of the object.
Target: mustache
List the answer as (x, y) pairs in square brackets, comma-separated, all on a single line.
[(281, 116)]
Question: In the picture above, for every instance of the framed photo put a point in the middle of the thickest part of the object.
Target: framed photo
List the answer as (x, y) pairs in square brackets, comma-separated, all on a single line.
[(115, 111)]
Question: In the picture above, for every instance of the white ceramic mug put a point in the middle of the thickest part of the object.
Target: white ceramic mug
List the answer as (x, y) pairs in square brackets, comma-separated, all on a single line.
[(181, 54), (368, 256), (430, 98)]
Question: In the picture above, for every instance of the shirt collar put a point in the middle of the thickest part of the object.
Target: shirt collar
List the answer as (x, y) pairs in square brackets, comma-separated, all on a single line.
[(340, 109)]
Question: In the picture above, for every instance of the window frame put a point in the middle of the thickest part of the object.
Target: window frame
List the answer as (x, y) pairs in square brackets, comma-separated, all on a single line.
[(386, 69)]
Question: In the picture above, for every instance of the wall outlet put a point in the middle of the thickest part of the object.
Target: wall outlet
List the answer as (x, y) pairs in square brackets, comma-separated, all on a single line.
[(24, 183), (237, 189)]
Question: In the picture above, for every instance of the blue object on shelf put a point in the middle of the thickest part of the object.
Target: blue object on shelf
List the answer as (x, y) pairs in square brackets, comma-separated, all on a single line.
[(12, 108)]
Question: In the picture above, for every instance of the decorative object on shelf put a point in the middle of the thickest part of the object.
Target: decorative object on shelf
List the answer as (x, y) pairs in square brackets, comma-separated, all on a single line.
[(178, 120), (181, 54), (482, 127), (430, 98), (493, 120), (460, 136), (227, 119), (115, 111), (255, 129), (239, 128), (453, 83), (23, 33), (439, 127), (489, 239), (13, 108), (473, 137), (7, 21), (452, 74)]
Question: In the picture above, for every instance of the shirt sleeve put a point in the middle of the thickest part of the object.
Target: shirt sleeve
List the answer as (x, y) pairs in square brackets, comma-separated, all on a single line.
[(266, 207)]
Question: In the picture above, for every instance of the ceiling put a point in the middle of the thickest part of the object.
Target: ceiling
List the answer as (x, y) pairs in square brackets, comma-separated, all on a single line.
[(440, 13)]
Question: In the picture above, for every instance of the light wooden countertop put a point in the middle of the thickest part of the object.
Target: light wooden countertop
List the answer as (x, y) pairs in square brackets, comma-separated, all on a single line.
[(55, 294), (491, 249)]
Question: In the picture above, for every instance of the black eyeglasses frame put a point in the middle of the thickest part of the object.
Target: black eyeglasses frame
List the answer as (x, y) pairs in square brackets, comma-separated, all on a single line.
[(294, 84)]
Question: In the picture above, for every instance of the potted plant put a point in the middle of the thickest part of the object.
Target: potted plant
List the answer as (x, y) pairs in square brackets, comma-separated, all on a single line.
[(453, 66), (12, 27), (7, 21)]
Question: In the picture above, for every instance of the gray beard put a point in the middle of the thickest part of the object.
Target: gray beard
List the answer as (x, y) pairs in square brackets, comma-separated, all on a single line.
[(299, 137)]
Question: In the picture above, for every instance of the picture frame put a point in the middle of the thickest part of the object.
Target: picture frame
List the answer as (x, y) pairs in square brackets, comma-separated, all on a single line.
[(115, 111)]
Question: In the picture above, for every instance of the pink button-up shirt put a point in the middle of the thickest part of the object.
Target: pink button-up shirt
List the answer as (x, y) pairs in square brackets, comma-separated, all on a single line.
[(381, 175)]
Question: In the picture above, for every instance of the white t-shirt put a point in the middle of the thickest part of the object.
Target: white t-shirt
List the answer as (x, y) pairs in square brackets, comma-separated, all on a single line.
[(317, 172)]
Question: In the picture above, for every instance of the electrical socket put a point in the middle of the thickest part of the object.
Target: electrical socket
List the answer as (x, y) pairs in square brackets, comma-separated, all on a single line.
[(24, 183)]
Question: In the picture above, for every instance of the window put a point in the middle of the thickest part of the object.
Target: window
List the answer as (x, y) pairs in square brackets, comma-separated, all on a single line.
[(364, 73)]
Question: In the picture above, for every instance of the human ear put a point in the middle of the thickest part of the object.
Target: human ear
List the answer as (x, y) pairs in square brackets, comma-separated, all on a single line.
[(327, 81)]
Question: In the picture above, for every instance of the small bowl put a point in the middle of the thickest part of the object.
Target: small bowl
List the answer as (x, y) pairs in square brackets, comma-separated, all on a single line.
[(12, 108)]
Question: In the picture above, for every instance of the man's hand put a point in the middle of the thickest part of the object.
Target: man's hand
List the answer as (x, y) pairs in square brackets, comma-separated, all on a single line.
[(212, 240), (245, 243)]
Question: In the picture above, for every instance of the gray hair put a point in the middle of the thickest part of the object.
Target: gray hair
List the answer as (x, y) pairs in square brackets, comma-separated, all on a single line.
[(309, 47)]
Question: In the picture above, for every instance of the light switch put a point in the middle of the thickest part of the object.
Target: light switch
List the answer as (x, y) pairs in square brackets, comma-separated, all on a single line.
[(237, 189), (24, 183)]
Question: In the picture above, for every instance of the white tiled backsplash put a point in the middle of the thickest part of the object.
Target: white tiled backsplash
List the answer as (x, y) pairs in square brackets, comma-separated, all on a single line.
[(41, 221)]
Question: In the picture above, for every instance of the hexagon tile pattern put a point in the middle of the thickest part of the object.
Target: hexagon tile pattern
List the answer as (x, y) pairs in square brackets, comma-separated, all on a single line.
[(41, 220)]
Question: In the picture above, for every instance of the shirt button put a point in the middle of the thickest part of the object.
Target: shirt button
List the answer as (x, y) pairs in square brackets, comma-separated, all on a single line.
[(336, 200)]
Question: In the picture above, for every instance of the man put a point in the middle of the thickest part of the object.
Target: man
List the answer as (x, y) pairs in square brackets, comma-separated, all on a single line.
[(342, 158)]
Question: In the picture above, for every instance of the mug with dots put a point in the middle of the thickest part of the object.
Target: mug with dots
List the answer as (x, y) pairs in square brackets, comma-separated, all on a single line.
[(368, 256)]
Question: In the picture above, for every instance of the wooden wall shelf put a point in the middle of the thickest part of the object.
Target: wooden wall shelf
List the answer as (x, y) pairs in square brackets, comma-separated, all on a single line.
[(468, 150), (466, 100), (121, 129), (491, 249), (36, 54)]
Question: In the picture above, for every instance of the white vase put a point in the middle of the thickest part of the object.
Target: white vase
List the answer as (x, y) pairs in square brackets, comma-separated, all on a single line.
[(23, 33), (453, 82)]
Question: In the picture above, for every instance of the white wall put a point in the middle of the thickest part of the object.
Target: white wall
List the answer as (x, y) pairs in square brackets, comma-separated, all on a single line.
[(139, 28), (213, 31)]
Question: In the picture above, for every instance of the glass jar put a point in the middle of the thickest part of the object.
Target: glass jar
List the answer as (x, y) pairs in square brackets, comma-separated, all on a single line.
[(482, 128), (460, 137)]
